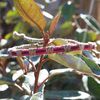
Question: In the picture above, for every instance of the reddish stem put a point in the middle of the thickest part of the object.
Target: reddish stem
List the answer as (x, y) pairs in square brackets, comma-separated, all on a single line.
[(37, 75), (33, 66), (43, 82), (42, 61)]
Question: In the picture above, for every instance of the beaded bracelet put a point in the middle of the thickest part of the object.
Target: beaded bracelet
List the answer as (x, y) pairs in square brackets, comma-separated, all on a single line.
[(15, 51)]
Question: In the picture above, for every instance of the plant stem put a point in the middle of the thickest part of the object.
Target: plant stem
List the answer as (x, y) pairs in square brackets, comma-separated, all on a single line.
[(46, 40), (37, 75), (37, 86)]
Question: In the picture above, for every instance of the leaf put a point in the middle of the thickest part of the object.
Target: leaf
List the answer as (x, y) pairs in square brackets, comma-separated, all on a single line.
[(92, 35), (30, 12), (21, 27), (54, 23), (90, 56), (26, 87), (29, 79), (69, 60), (43, 75), (94, 88), (6, 80), (58, 75), (3, 4), (17, 74), (37, 96), (3, 42), (84, 35), (67, 25), (11, 17), (98, 45), (4, 87), (60, 71), (91, 22), (25, 97), (28, 83), (68, 9), (92, 65), (79, 63), (66, 76), (48, 15), (66, 95), (8, 36), (60, 42)]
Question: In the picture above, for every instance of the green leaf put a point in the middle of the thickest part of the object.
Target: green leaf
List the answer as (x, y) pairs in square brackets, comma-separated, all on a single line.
[(94, 88), (83, 35), (3, 4), (64, 76), (68, 10), (30, 12), (21, 27), (92, 65), (92, 35), (91, 22), (60, 42), (66, 28), (8, 36), (6, 80), (60, 58), (66, 95), (11, 17), (67, 25), (69, 60), (79, 63), (90, 56)]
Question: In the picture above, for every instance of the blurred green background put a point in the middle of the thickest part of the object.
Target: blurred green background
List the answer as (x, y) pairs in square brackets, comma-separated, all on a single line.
[(70, 26)]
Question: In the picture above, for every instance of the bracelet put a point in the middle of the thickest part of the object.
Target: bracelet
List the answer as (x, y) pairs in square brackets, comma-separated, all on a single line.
[(14, 51)]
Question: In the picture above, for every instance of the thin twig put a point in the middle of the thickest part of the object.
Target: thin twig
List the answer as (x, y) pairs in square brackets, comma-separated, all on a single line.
[(33, 66), (37, 75)]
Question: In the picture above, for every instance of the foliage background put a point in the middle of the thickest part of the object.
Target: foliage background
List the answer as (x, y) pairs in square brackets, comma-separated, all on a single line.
[(70, 81)]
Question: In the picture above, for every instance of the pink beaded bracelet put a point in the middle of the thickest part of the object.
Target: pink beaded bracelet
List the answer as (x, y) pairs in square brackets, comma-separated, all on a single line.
[(50, 49)]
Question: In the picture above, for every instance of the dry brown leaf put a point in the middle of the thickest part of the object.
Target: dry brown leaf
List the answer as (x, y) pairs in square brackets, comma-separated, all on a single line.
[(31, 12), (54, 23)]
